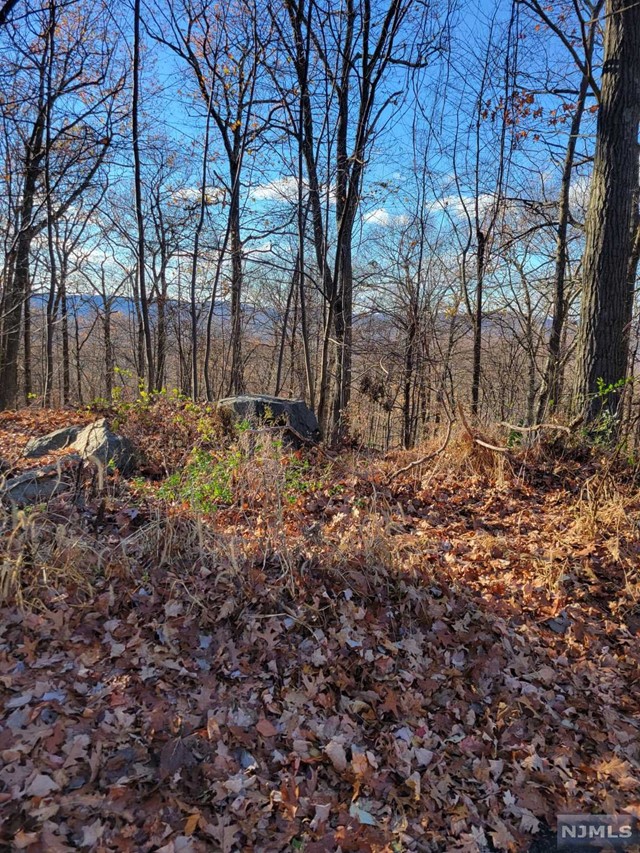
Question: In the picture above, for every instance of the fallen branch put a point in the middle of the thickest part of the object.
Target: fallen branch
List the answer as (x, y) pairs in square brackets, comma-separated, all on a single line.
[(523, 429), (494, 447), (473, 435), (421, 461)]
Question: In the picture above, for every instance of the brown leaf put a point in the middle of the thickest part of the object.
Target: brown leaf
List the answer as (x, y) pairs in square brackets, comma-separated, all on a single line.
[(266, 727), (41, 786), (174, 756)]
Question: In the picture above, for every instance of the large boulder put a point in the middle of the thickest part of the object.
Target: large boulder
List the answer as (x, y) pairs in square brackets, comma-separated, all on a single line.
[(98, 442), (57, 440), (261, 409)]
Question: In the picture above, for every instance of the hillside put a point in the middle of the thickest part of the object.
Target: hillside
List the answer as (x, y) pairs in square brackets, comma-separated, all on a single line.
[(250, 647)]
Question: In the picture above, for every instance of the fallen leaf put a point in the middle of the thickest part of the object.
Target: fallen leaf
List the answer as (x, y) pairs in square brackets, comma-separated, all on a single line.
[(41, 786), (335, 751), (266, 728)]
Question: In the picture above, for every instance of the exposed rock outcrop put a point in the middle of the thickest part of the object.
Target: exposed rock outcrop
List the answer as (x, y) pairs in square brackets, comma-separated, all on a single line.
[(261, 409), (97, 440), (57, 440)]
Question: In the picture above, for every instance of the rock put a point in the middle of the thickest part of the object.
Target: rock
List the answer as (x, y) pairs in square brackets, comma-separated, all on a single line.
[(92, 442), (273, 411), (57, 440), (39, 485), (97, 440)]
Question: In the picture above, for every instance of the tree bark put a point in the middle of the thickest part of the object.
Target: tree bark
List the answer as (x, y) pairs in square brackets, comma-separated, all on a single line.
[(607, 300)]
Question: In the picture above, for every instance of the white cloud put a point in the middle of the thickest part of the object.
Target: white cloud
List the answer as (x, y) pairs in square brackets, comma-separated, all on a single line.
[(381, 216), (579, 195), (461, 206), (285, 189), (282, 189)]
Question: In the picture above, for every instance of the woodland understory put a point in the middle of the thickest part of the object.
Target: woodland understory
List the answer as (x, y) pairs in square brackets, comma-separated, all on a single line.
[(251, 647), (417, 627)]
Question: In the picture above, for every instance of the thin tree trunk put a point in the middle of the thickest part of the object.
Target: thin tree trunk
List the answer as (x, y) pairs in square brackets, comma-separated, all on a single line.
[(78, 365), (51, 297), (193, 308), (236, 382), (109, 373), (407, 382), (292, 345), (137, 179), (285, 323), (550, 394), (66, 369), (477, 323), (28, 378)]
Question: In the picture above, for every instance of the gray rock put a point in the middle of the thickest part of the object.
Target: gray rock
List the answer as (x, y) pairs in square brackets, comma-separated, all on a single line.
[(57, 440), (39, 485), (262, 409), (97, 440)]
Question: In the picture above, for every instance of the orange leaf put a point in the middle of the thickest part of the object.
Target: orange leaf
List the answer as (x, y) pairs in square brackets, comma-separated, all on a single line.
[(191, 823)]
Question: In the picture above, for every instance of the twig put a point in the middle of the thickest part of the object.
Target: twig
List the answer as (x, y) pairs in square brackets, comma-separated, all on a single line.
[(417, 462)]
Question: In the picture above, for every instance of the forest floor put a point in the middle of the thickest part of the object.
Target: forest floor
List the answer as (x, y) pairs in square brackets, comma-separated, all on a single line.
[(279, 650)]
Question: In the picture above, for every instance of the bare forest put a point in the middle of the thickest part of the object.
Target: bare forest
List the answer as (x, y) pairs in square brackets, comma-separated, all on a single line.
[(319, 424)]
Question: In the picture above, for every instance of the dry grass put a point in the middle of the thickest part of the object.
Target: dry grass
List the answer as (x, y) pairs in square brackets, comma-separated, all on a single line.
[(295, 510)]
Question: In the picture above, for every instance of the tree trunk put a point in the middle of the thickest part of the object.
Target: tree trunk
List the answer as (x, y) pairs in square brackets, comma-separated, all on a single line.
[(66, 369), (108, 353), (550, 393), (407, 409), (607, 300), (78, 364), (28, 376), (137, 178), (18, 285), (477, 325), (236, 383), (51, 245), (285, 324)]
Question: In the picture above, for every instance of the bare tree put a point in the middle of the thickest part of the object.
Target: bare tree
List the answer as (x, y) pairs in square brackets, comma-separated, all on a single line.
[(360, 56), (222, 50), (88, 83), (581, 51), (137, 181)]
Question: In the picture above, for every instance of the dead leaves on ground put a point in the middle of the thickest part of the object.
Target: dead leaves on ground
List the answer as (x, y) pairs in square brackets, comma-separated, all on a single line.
[(446, 669)]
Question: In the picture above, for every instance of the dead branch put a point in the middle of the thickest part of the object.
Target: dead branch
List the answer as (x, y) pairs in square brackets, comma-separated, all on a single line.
[(494, 447), (476, 438), (421, 461), (536, 428)]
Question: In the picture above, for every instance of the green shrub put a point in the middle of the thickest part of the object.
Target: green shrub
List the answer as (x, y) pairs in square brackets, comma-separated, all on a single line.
[(206, 482)]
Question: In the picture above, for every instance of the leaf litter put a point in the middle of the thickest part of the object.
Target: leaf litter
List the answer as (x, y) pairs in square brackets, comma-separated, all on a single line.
[(442, 666)]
